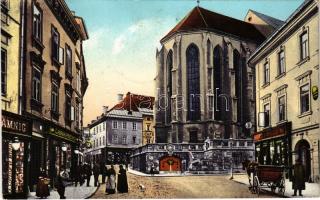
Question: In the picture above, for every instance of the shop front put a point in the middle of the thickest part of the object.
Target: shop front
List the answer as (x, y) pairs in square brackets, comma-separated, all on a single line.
[(273, 146), (62, 151), (16, 136)]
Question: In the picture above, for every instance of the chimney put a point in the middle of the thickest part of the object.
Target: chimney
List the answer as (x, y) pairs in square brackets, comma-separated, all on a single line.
[(120, 97), (105, 109)]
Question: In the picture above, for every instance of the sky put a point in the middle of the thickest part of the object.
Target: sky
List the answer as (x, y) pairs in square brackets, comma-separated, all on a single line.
[(124, 35)]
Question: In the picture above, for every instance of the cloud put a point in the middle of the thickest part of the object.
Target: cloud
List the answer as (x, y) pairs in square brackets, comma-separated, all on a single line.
[(95, 39), (135, 34), (118, 44)]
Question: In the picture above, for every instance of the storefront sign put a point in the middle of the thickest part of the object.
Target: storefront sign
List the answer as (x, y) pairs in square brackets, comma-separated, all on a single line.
[(62, 134), (14, 123), (274, 132), (315, 92)]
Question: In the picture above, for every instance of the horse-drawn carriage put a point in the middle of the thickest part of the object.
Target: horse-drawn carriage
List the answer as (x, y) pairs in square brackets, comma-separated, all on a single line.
[(266, 176)]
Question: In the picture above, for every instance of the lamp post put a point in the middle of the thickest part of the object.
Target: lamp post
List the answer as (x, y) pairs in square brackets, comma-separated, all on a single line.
[(231, 144)]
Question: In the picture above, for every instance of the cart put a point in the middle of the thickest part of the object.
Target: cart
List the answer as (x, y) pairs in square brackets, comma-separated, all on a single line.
[(268, 176)]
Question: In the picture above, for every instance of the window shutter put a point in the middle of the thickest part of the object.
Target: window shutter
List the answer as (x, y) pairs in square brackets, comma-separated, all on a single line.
[(61, 55), (72, 113)]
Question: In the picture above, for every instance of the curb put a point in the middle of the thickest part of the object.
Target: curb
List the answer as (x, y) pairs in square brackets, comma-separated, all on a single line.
[(88, 197), (182, 175)]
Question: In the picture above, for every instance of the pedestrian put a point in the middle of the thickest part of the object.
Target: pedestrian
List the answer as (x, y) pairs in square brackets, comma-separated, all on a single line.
[(82, 174), (77, 178), (96, 172), (152, 171), (111, 181), (42, 190), (103, 172), (62, 182), (298, 178), (122, 186), (88, 173)]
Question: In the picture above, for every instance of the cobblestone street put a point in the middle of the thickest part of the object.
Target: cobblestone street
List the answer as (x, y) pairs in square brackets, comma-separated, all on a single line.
[(182, 187)]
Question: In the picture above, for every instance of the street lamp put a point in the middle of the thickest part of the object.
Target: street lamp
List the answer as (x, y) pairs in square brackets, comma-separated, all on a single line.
[(76, 151), (231, 144), (15, 144), (64, 147)]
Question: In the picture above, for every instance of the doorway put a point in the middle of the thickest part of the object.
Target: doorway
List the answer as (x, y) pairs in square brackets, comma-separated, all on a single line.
[(302, 150)]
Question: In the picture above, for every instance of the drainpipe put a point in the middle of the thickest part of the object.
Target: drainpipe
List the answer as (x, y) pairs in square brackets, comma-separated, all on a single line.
[(22, 56)]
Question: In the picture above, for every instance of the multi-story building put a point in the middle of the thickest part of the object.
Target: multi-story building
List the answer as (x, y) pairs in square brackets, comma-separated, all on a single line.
[(54, 84), (287, 105), (16, 129), (148, 133), (121, 129)]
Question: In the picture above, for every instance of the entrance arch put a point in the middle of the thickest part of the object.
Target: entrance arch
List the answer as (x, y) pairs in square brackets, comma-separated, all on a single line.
[(302, 150), (170, 164)]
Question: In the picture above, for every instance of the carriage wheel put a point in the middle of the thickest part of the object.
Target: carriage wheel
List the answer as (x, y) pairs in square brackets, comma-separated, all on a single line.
[(282, 187), (256, 185)]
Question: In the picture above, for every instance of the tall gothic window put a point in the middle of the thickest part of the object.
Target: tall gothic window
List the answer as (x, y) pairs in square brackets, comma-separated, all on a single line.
[(169, 84), (193, 85), (238, 88), (217, 64)]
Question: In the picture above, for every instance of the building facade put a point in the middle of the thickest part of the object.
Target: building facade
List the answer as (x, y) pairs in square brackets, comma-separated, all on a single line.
[(287, 81), (54, 84), (119, 130), (148, 133), (16, 129), (204, 86), (113, 136)]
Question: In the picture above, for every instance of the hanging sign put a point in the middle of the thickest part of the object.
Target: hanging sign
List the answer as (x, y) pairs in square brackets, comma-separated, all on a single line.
[(315, 92)]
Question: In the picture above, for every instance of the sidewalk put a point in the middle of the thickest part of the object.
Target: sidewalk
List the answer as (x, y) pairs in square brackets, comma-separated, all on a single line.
[(312, 189), (71, 192)]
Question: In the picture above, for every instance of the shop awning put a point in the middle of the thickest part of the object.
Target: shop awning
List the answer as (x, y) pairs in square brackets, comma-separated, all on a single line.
[(37, 135)]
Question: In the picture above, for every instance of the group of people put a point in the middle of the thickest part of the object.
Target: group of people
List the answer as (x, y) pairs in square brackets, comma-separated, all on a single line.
[(60, 183), (84, 172), (121, 184)]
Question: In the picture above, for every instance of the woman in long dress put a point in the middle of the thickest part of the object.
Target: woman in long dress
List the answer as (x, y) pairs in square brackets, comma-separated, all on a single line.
[(122, 186), (42, 186), (111, 181)]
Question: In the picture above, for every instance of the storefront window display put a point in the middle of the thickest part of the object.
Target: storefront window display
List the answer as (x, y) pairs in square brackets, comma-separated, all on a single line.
[(13, 167)]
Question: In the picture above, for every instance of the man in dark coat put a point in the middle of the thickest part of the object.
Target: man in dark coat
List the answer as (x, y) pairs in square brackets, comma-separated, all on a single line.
[(88, 172), (77, 177), (298, 178), (61, 183), (96, 172), (103, 171), (122, 186)]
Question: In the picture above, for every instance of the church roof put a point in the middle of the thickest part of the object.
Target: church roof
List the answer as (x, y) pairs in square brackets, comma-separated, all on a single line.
[(275, 23), (201, 19)]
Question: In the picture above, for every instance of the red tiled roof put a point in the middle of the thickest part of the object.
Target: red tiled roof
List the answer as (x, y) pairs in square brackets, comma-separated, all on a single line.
[(132, 102), (200, 18)]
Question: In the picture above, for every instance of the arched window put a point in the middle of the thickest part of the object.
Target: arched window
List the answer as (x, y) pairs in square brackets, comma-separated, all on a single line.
[(238, 88), (208, 52), (217, 64), (169, 85), (193, 82)]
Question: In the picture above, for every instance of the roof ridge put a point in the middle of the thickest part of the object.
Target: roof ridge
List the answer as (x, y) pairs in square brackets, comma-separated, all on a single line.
[(198, 8)]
